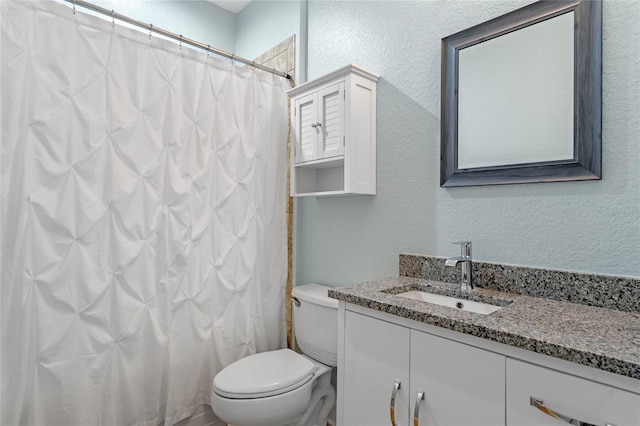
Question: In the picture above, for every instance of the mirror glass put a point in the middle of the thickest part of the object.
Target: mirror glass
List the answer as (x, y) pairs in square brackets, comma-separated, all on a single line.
[(533, 64), (522, 97)]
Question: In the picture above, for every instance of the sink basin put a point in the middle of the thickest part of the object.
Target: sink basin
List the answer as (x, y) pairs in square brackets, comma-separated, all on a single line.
[(451, 302)]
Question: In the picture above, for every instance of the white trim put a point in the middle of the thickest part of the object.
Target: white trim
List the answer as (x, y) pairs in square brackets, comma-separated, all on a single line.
[(351, 68), (302, 71)]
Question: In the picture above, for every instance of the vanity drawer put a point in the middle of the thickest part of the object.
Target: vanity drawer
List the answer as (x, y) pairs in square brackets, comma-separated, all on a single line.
[(566, 395)]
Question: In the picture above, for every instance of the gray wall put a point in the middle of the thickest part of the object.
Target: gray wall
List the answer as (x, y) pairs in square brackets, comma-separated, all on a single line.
[(195, 19), (254, 30), (580, 226), (265, 23)]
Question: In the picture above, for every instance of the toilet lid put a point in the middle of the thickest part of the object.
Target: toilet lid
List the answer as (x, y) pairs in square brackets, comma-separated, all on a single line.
[(264, 374)]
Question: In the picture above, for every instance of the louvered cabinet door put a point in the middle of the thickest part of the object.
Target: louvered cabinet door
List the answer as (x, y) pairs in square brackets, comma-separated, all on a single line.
[(305, 128), (331, 119)]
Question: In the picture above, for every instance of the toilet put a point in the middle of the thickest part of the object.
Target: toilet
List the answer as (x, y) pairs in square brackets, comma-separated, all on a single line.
[(282, 387)]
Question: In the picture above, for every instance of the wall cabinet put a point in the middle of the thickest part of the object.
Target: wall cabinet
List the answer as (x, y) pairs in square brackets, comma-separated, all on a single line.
[(391, 370), (333, 122)]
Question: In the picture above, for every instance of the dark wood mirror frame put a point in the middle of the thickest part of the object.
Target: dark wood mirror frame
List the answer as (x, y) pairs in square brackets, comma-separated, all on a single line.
[(587, 132)]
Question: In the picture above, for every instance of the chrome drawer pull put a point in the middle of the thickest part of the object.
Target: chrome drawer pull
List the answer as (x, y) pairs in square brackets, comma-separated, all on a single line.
[(392, 406), (539, 404), (416, 410)]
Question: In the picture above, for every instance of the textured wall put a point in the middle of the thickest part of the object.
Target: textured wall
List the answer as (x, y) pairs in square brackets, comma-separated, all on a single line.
[(582, 226), (195, 19), (265, 23)]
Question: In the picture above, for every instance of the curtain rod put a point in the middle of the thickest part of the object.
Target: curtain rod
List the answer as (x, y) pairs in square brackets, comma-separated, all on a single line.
[(177, 37)]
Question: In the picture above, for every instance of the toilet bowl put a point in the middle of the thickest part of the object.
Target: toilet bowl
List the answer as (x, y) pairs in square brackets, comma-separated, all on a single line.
[(282, 387)]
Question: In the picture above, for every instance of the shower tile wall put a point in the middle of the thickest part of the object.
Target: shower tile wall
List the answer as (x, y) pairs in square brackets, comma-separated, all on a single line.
[(281, 57)]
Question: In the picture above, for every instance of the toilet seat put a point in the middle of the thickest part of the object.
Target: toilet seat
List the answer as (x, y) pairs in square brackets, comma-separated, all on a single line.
[(264, 374)]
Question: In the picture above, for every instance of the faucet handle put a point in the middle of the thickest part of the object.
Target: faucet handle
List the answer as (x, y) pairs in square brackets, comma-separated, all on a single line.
[(465, 248)]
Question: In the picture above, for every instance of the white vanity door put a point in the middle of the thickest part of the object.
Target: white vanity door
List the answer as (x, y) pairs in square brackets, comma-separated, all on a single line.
[(462, 385), (376, 354), (571, 396)]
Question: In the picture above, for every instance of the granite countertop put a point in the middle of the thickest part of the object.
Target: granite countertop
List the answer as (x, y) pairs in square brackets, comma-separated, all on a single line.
[(606, 339)]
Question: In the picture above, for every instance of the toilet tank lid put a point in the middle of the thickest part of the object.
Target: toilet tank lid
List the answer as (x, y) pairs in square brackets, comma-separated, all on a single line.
[(316, 294)]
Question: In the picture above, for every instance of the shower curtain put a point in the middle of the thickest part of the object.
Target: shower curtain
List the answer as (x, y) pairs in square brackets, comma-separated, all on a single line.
[(143, 220)]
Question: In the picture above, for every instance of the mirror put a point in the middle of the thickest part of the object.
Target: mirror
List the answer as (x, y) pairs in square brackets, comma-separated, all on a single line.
[(522, 95)]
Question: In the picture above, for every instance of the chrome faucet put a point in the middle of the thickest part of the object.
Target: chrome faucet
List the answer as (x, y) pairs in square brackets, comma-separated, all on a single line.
[(465, 260)]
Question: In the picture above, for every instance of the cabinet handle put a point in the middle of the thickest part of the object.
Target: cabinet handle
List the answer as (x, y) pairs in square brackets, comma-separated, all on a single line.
[(539, 404), (318, 124), (416, 410), (392, 406)]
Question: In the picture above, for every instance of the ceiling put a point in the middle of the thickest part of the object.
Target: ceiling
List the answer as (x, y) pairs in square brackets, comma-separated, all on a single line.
[(234, 6)]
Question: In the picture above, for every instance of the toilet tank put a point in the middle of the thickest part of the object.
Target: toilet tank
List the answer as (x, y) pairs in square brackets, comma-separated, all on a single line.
[(315, 321)]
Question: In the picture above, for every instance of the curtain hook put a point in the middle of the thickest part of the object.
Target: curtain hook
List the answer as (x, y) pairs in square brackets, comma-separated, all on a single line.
[(180, 41), (150, 29), (74, 7), (113, 18)]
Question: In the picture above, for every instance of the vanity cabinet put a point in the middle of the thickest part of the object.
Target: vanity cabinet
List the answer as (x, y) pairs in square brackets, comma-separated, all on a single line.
[(333, 122), (395, 372), (385, 361), (566, 395)]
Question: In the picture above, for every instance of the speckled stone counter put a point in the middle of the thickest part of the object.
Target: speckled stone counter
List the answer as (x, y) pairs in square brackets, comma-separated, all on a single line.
[(603, 291), (603, 338)]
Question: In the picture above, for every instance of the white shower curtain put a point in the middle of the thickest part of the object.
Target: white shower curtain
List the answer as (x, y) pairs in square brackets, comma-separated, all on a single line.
[(143, 220)]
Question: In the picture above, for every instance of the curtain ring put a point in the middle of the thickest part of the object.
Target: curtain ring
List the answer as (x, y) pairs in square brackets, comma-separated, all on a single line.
[(74, 7), (113, 18), (180, 41), (150, 29)]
